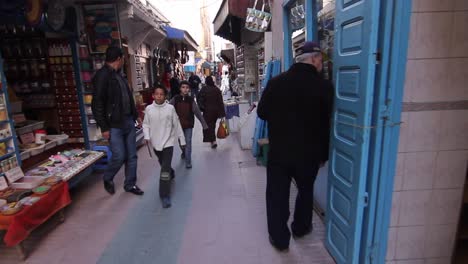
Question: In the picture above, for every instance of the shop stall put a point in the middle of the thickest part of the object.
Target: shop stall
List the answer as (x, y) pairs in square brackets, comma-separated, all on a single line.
[(43, 123)]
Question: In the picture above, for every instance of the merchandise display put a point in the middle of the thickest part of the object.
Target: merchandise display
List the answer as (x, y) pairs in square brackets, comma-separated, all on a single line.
[(247, 70), (11, 208), (67, 164), (261, 63), (41, 189), (63, 81), (89, 64)]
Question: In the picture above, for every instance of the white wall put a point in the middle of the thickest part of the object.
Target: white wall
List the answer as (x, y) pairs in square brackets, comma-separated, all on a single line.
[(433, 149)]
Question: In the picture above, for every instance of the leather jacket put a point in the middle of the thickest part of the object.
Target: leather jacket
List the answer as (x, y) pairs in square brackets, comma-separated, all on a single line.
[(107, 106)]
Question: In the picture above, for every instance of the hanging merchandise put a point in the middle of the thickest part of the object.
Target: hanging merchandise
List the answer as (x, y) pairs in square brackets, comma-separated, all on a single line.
[(297, 16), (34, 12), (185, 57), (258, 20)]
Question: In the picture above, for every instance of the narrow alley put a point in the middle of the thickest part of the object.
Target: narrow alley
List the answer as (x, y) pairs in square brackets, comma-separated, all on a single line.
[(218, 216)]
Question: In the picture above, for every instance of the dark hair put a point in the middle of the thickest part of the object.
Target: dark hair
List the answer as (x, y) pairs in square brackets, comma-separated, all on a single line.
[(184, 83), (113, 53), (209, 81), (159, 86)]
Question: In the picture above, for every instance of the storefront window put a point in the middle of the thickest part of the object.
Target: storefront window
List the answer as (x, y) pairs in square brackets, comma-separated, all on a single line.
[(326, 35), (297, 15), (296, 19), (310, 20)]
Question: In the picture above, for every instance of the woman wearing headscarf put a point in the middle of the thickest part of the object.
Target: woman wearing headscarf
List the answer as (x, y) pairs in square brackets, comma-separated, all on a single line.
[(211, 104)]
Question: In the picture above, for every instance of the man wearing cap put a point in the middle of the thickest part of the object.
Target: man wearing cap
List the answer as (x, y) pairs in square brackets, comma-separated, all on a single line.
[(115, 112), (297, 105)]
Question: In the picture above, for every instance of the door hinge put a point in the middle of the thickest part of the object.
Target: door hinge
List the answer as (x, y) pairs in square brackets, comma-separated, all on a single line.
[(378, 57), (366, 199), (372, 253)]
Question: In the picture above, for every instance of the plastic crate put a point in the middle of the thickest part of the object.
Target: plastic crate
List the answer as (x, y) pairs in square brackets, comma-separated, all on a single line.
[(104, 161), (30, 127)]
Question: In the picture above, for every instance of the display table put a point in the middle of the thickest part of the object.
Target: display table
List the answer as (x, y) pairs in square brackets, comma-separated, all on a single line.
[(20, 225)]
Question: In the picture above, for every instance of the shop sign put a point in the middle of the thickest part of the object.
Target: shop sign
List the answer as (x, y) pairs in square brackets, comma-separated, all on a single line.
[(102, 26)]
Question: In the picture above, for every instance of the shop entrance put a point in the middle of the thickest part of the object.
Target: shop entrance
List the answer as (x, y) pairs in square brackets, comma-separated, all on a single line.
[(368, 40)]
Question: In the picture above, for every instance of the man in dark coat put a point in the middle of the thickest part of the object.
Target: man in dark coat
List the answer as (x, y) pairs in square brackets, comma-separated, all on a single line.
[(115, 112), (297, 106)]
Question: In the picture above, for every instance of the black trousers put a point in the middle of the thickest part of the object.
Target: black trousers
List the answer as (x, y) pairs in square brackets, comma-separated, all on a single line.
[(167, 172), (279, 178)]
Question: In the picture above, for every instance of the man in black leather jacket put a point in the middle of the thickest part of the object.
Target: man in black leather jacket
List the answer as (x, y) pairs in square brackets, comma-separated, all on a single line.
[(115, 112), (297, 105)]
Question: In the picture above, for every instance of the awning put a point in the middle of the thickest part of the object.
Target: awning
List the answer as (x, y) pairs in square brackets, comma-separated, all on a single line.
[(138, 27), (230, 19), (228, 55), (182, 36), (191, 68)]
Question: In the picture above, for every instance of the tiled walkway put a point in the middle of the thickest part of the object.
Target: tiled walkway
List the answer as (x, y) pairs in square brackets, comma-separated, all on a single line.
[(218, 216)]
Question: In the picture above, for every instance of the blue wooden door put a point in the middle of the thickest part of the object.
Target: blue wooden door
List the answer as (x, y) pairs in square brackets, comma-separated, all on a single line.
[(356, 26)]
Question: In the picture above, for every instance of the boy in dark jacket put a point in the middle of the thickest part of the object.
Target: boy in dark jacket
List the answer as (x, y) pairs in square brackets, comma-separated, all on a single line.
[(187, 109)]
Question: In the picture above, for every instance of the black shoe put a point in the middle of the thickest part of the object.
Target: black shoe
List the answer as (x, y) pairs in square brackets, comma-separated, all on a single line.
[(135, 190), (280, 249), (188, 165), (213, 146), (297, 235), (182, 156), (109, 186), (172, 174), (166, 202)]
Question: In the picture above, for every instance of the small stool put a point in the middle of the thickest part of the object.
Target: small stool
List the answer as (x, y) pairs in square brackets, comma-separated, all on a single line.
[(104, 161)]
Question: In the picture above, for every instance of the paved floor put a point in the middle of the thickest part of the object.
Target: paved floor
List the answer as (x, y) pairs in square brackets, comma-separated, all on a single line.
[(218, 216)]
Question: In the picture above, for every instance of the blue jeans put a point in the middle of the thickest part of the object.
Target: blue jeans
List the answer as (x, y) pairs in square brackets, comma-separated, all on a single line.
[(123, 147), (188, 147)]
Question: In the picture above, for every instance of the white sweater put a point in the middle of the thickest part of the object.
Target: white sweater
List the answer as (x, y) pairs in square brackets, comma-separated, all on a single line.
[(162, 127)]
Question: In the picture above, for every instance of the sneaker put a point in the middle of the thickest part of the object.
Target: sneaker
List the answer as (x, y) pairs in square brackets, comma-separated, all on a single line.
[(213, 146), (109, 186), (166, 202), (188, 165)]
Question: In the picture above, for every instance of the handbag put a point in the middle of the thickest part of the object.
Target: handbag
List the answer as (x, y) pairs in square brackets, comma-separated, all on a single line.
[(257, 20), (223, 131)]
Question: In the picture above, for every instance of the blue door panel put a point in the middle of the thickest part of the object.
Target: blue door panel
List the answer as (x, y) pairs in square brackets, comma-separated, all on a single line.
[(356, 26)]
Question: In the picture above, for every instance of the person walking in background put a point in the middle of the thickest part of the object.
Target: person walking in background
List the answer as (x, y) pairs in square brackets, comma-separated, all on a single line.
[(187, 109), (174, 82), (211, 104), (114, 109), (195, 82), (297, 106), (161, 129)]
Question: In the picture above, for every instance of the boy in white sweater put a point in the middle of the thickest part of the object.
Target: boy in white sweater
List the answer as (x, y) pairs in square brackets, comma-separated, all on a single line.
[(162, 129)]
